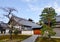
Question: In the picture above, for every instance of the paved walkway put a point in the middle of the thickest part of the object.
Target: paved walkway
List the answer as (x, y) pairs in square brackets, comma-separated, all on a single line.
[(31, 39)]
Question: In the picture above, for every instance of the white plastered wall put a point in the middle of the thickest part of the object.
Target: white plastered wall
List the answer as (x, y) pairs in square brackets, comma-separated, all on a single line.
[(27, 32)]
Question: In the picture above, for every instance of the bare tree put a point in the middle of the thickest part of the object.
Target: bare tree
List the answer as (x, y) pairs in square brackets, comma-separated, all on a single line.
[(9, 12)]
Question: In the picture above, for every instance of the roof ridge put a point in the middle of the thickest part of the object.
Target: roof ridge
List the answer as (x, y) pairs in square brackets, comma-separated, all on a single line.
[(19, 17), (23, 18)]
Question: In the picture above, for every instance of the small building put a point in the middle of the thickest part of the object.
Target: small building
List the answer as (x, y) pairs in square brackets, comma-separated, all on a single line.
[(25, 26), (57, 27), (3, 27)]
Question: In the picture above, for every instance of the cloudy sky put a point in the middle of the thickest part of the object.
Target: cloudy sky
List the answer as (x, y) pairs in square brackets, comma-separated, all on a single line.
[(28, 8)]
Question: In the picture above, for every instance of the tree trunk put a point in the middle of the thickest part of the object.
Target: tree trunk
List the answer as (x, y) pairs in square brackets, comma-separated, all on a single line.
[(10, 34), (49, 36), (49, 22)]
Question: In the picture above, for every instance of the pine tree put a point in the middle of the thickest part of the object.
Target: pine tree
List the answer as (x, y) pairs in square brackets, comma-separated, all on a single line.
[(48, 19)]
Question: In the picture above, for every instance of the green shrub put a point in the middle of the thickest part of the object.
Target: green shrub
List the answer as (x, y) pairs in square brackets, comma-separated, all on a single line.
[(16, 31)]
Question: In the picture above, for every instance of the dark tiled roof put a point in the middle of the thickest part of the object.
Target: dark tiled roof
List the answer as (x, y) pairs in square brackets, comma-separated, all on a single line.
[(4, 25), (25, 22)]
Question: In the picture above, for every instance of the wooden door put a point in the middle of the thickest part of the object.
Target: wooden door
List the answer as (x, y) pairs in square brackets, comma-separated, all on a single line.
[(37, 32)]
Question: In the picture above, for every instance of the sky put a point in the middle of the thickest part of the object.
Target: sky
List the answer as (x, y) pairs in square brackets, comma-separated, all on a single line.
[(28, 8)]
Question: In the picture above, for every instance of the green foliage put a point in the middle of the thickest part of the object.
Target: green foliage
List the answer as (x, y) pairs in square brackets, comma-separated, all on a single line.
[(48, 14), (47, 21), (16, 31), (48, 29)]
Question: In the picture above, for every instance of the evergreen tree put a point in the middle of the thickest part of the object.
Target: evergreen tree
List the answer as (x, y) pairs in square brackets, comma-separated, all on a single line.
[(48, 19)]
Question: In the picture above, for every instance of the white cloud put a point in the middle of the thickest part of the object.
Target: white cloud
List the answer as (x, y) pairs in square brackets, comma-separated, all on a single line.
[(57, 8), (34, 8), (26, 0), (29, 1), (37, 10)]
